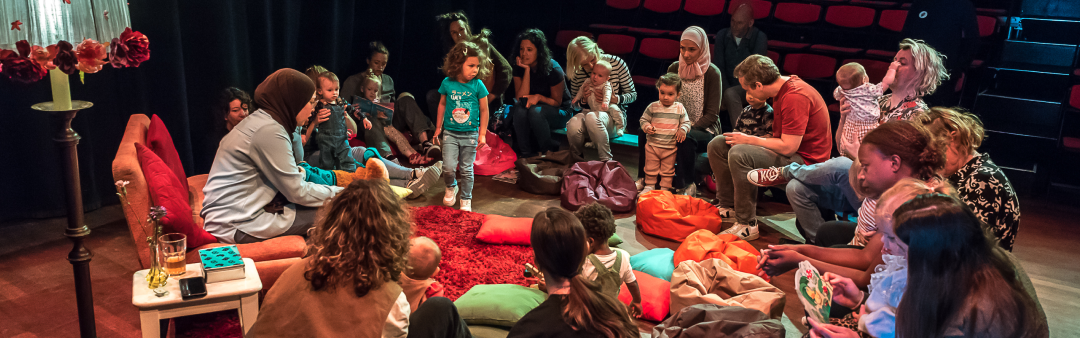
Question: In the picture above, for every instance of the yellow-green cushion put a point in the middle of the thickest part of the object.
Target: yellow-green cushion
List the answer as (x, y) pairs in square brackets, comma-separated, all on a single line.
[(497, 304)]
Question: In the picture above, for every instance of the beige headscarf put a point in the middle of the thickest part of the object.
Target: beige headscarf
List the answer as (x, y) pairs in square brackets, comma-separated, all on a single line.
[(689, 71)]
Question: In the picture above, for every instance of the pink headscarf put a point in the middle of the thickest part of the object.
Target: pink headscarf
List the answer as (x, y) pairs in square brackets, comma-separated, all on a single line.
[(692, 71)]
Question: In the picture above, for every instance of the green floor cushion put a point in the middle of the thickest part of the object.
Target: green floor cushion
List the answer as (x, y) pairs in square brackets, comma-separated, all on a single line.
[(497, 304)]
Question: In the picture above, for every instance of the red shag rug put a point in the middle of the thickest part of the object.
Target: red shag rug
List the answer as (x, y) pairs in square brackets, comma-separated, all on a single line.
[(465, 262)]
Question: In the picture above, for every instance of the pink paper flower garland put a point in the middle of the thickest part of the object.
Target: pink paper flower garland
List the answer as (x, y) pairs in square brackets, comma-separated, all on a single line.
[(30, 64)]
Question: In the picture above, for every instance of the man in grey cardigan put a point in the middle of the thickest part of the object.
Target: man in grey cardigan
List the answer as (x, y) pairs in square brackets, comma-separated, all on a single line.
[(733, 45)]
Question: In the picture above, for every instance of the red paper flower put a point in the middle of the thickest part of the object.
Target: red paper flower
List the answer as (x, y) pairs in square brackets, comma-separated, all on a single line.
[(20, 67), (91, 55), (17, 25), (43, 56), (65, 58), (129, 50)]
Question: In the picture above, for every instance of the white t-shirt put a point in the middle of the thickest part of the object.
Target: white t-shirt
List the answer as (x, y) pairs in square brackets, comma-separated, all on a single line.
[(625, 271), (397, 321)]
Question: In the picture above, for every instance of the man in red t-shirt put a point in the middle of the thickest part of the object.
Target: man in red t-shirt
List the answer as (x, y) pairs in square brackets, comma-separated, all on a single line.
[(801, 133)]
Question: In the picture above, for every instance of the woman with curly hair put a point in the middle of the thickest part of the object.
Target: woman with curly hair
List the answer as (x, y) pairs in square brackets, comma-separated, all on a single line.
[(348, 285), (540, 87)]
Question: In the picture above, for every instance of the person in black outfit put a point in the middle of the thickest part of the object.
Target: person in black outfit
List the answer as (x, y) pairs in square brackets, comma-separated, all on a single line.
[(733, 45), (560, 248), (953, 29)]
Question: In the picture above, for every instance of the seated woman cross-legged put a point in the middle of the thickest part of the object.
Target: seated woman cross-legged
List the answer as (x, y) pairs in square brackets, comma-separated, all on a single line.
[(255, 191), (575, 306), (347, 286)]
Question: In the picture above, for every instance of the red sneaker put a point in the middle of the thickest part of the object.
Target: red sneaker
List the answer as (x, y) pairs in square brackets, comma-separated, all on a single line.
[(767, 177)]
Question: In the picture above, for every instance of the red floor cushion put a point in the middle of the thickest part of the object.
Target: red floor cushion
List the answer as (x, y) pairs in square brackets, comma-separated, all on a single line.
[(159, 140), (655, 296), (505, 230), (663, 214), (166, 191), (495, 158)]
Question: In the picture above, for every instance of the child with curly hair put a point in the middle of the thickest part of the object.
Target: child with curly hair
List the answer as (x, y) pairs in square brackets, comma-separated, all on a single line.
[(463, 114), (607, 266)]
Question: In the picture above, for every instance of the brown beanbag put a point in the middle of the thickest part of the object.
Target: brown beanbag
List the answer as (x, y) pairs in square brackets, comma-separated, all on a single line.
[(717, 321), (606, 183), (543, 175), (714, 282)]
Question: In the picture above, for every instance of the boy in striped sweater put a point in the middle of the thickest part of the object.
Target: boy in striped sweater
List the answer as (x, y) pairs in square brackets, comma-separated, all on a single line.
[(665, 123)]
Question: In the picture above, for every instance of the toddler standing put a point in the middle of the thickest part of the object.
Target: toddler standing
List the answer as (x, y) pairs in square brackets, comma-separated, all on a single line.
[(464, 117), (666, 123)]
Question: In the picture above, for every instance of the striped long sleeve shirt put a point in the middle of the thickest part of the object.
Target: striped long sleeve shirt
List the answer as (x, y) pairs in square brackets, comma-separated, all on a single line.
[(621, 82), (667, 121)]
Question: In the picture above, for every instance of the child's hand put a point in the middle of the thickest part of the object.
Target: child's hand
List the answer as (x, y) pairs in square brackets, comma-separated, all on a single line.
[(680, 136), (635, 310), (482, 142), (604, 107), (367, 124), (436, 138), (845, 293), (894, 65), (649, 129)]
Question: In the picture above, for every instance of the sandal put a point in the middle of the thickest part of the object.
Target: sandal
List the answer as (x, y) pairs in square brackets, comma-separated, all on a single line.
[(419, 159)]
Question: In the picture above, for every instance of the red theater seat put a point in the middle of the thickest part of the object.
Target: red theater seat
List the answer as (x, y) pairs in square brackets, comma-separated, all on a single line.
[(774, 56), (986, 25), (881, 54), (893, 19), (776, 44), (1074, 97), (651, 32), (616, 44), (850, 16), (835, 49), (797, 13), (704, 7), (663, 6), (656, 48), (761, 7), (623, 4), (563, 38), (810, 66), (874, 69), (641, 81), (609, 28)]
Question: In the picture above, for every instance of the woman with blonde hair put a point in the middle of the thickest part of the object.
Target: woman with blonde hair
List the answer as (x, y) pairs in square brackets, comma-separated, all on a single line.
[(348, 286), (582, 54)]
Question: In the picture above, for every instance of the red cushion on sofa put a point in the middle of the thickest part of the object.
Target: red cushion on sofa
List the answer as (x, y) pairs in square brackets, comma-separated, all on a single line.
[(166, 191), (159, 140), (655, 296), (505, 230)]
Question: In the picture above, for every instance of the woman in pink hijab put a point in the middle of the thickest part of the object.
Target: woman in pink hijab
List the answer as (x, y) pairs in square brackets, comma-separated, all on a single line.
[(701, 90)]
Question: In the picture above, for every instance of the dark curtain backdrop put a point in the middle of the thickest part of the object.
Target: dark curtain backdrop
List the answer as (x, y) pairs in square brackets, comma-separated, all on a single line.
[(200, 47)]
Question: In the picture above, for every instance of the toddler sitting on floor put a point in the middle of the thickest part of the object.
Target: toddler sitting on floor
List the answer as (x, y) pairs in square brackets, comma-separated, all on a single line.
[(417, 281)]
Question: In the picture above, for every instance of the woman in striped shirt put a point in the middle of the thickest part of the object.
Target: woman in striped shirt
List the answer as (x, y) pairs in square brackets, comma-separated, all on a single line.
[(581, 56)]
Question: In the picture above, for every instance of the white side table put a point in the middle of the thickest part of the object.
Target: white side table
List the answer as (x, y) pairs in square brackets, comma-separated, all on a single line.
[(240, 294)]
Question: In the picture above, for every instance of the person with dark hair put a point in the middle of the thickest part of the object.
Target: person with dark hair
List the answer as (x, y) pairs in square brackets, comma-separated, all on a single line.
[(733, 45), (980, 183), (543, 99), (231, 107), (666, 125), (890, 153), (961, 284), (575, 307), (359, 249), (407, 114), (608, 267), (255, 165), (454, 28), (801, 134)]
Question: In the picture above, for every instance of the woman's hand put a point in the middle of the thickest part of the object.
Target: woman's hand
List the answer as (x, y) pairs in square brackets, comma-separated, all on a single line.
[(531, 100), (522, 65), (845, 293), (819, 330), (323, 116), (779, 259), (367, 124)]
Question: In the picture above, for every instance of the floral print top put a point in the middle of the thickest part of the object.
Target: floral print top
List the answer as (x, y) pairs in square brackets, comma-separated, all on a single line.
[(904, 111), (984, 188)]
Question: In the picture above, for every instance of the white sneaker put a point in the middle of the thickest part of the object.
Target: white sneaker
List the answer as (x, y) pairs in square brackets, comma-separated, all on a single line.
[(639, 184), (746, 232), (451, 196), (466, 205), (647, 189), (726, 212)]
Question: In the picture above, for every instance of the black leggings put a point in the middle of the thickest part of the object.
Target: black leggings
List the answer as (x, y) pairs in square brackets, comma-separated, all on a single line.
[(437, 317)]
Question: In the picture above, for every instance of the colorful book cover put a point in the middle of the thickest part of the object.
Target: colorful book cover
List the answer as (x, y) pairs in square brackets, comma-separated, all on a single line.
[(814, 292)]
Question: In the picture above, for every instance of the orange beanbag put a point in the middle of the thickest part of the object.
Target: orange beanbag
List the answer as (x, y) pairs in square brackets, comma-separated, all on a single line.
[(505, 230), (704, 244), (662, 214), (655, 296)]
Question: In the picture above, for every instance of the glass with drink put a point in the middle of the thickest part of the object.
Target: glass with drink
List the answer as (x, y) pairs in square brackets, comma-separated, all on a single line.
[(173, 250)]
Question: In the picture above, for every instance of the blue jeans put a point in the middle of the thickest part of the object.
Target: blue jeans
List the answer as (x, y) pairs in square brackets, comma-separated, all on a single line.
[(819, 186), (535, 123), (459, 147)]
